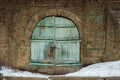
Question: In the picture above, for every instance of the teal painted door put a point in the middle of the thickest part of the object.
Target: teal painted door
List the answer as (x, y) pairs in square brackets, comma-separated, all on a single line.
[(55, 41)]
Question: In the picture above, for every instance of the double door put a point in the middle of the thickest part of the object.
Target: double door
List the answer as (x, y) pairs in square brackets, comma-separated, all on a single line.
[(55, 42)]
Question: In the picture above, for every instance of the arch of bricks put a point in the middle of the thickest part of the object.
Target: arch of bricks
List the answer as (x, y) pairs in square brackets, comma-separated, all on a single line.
[(59, 12), (52, 12)]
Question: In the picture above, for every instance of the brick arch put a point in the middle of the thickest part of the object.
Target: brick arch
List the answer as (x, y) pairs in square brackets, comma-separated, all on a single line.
[(59, 12)]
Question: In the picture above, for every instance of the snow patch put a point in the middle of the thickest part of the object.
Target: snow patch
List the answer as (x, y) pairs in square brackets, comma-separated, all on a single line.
[(106, 69), (6, 71)]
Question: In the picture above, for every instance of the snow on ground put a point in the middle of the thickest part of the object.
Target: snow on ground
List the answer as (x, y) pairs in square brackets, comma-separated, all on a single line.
[(106, 69), (6, 71)]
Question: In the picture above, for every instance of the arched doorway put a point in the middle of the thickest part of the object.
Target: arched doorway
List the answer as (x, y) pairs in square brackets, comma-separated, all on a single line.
[(55, 42)]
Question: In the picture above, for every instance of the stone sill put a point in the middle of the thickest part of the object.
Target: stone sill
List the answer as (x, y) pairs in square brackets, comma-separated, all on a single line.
[(59, 78)]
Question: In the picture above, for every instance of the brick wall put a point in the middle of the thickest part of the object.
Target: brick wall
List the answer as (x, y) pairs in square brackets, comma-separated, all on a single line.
[(4, 35), (112, 37), (94, 34), (18, 19)]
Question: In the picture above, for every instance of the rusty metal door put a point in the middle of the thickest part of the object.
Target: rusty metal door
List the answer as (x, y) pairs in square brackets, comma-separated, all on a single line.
[(55, 42)]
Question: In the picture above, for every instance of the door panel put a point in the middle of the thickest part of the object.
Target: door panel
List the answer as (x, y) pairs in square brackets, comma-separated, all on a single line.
[(63, 22), (40, 52), (49, 21), (67, 52), (66, 33), (43, 33)]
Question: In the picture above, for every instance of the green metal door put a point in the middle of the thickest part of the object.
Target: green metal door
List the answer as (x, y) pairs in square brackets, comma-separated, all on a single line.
[(55, 42)]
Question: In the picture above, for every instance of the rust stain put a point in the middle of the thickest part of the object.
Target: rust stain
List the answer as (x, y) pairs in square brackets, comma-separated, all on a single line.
[(52, 52)]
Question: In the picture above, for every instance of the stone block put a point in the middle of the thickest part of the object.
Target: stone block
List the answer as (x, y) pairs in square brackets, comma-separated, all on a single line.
[(23, 78), (75, 78), (113, 78)]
